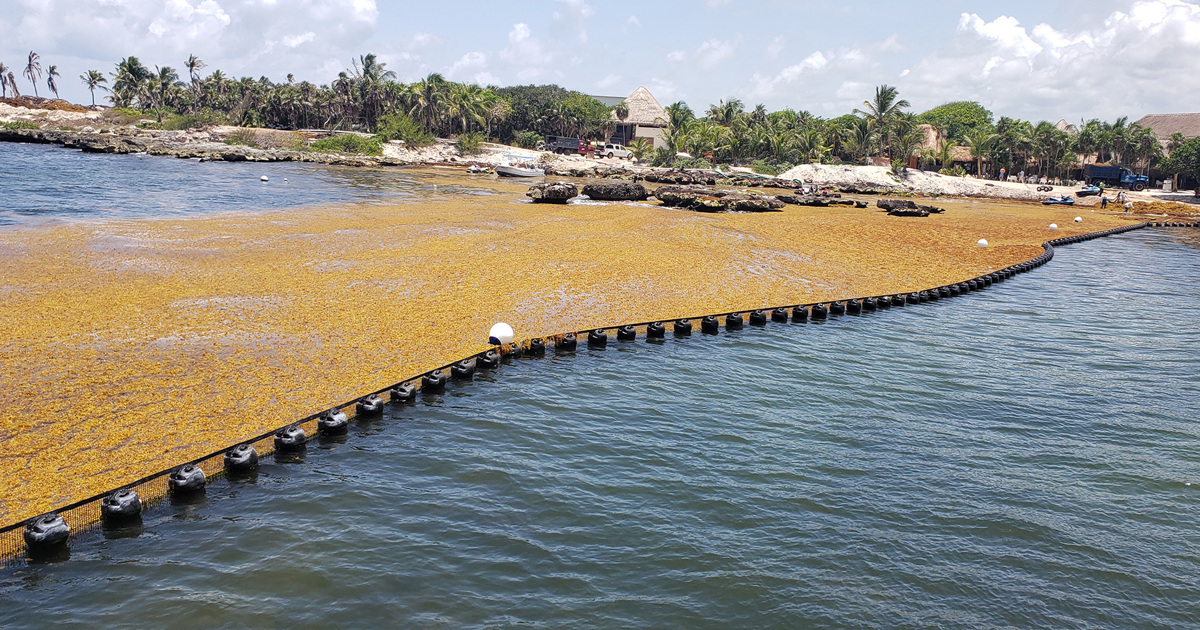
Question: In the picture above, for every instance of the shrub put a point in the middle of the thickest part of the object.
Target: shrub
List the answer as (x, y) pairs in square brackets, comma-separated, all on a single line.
[(470, 143), (244, 137), (348, 143), (205, 118), (123, 115), (957, 171), (19, 124), (398, 126), (662, 157), (528, 139), (770, 167), (899, 165)]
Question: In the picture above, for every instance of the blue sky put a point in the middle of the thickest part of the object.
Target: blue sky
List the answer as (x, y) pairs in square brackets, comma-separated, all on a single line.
[(1036, 60)]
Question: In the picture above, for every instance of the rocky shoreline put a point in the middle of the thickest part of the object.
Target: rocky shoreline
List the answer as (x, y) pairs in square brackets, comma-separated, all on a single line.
[(209, 145)]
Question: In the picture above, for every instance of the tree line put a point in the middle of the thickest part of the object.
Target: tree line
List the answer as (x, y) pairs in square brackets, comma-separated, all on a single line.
[(368, 97)]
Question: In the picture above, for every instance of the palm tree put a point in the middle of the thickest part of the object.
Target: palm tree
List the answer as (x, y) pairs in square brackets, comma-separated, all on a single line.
[(679, 114), (194, 65), (427, 100), (52, 72), (369, 76), (12, 85), (3, 80), (127, 81), (33, 70), (724, 112), (980, 143), (92, 80), (882, 110)]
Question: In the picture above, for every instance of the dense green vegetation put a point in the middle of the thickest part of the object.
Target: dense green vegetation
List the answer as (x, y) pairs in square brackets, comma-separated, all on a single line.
[(367, 97)]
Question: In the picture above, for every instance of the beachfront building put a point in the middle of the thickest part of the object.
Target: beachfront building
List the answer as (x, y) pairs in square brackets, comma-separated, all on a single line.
[(646, 119), (1166, 125)]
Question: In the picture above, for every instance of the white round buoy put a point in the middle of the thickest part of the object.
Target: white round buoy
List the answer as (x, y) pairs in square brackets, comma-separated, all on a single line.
[(500, 334), (1053, 226), (982, 242), (264, 178), (1079, 219)]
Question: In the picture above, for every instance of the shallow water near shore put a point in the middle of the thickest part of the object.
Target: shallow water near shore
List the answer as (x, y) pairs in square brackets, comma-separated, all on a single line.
[(44, 182), (1026, 456)]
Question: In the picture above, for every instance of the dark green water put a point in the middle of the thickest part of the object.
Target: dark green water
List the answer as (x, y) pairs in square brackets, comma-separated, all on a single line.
[(1026, 456)]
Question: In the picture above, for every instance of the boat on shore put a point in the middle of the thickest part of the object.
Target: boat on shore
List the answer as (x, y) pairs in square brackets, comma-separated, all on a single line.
[(1058, 201), (519, 171)]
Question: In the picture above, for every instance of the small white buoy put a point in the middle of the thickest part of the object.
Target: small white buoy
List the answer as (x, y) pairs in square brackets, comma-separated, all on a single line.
[(285, 179), (982, 242), (1079, 219), (1053, 226), (264, 178), (500, 334)]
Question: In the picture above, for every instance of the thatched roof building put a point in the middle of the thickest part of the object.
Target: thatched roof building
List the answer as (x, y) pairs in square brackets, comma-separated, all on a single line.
[(644, 109), (646, 119), (1166, 125)]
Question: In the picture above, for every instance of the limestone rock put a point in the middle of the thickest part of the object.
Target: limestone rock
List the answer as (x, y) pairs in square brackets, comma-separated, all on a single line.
[(616, 191), (552, 192)]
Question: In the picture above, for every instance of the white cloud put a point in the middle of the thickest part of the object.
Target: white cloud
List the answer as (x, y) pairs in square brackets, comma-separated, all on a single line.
[(422, 40), (239, 36), (578, 12), (1110, 70), (608, 81), (676, 56), (633, 21), (469, 64), (714, 51), (775, 47)]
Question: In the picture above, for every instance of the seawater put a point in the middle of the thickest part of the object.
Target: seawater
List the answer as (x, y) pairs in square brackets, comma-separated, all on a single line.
[(44, 182), (1026, 456)]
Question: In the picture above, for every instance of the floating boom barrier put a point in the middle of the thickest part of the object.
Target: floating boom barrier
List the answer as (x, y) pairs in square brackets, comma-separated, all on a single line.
[(49, 535)]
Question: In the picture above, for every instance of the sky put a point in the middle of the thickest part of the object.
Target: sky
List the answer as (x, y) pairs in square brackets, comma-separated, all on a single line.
[(1037, 60)]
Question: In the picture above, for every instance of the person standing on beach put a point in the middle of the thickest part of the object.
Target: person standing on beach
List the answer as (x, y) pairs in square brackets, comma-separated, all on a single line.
[(1002, 172), (1103, 201), (1121, 197)]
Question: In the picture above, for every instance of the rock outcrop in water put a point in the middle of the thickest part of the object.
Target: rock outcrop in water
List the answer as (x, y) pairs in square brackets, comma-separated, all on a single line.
[(555, 192), (616, 191), (711, 200), (906, 208)]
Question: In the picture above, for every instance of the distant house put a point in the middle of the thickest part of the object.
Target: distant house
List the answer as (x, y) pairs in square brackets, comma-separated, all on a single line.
[(646, 119), (1166, 125)]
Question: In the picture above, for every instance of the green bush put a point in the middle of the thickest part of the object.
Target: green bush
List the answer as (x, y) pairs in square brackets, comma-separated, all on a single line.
[(19, 124), (398, 126), (470, 143), (899, 165), (244, 137), (957, 171), (205, 118), (528, 139), (123, 115), (348, 143), (769, 167)]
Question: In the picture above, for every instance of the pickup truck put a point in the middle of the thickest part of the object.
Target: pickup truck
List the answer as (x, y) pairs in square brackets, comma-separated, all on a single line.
[(613, 150)]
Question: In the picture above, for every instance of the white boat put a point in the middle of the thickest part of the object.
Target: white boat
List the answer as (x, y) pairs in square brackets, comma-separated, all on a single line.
[(519, 171)]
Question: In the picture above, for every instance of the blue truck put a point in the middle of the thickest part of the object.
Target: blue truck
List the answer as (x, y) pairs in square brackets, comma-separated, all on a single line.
[(1116, 177)]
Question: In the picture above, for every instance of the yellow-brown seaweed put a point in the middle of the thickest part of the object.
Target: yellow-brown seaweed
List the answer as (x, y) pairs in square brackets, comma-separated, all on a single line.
[(132, 345)]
